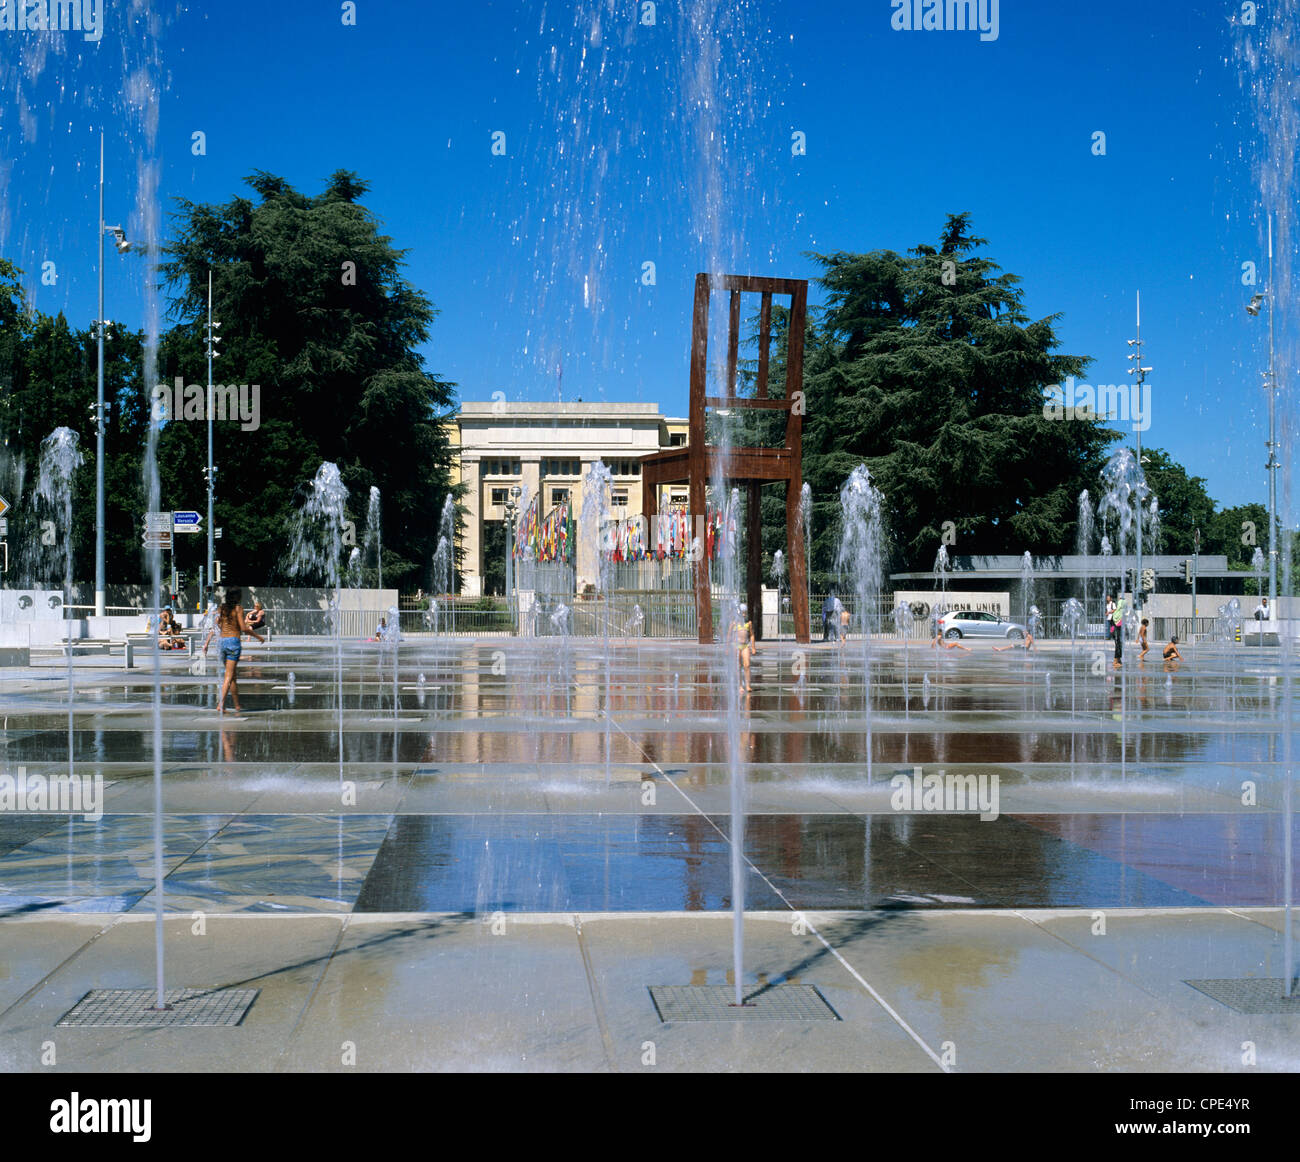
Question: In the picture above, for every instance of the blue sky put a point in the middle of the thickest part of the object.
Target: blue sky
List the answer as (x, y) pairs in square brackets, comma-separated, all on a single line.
[(609, 164)]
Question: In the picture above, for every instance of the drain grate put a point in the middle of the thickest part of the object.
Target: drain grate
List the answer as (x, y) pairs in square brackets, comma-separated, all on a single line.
[(1253, 996), (133, 1008), (790, 1002)]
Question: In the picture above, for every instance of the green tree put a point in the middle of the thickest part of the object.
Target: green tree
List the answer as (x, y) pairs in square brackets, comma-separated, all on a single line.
[(927, 368), (1237, 532), (48, 374), (315, 311), (1184, 503)]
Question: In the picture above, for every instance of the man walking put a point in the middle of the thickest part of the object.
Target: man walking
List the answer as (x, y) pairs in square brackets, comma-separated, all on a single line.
[(1117, 625)]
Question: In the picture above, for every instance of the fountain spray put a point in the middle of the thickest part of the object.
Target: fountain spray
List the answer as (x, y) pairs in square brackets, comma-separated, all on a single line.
[(315, 549), (60, 458), (860, 557)]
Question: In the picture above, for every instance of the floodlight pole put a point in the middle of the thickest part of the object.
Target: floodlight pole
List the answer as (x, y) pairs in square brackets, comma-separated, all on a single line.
[(209, 410), (99, 390), (1272, 464), (1140, 374), (99, 405)]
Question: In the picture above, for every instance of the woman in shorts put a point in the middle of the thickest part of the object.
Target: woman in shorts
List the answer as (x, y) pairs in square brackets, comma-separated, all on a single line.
[(231, 623)]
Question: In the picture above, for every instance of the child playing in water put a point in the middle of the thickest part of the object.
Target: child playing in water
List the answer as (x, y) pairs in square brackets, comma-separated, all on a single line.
[(744, 634), (1171, 650), (1143, 644), (1027, 644)]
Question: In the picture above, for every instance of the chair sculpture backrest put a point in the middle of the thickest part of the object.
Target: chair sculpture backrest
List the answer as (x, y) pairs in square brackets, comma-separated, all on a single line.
[(754, 466)]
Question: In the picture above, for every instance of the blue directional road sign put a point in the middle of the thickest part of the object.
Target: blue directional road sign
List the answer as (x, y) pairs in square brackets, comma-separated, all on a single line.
[(185, 522)]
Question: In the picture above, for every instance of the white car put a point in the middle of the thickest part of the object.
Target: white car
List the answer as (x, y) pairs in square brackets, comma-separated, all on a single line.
[(960, 623)]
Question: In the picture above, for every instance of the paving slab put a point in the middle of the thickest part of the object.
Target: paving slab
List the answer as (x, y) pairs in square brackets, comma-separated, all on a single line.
[(489, 994), (284, 957)]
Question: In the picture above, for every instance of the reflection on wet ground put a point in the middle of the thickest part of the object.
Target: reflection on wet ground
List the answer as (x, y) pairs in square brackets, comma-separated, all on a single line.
[(503, 776)]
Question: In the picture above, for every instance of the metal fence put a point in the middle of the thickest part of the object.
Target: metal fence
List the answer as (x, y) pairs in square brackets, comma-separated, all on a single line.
[(881, 617), (1187, 628), (656, 613)]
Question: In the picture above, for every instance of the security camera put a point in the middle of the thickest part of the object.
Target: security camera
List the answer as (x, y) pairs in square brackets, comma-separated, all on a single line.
[(1252, 307)]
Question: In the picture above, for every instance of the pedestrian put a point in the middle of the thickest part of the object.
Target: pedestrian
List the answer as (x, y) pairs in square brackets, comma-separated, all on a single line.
[(1117, 628), (230, 624), (169, 635), (1262, 612), (828, 608), (744, 634), (1110, 613), (1143, 644)]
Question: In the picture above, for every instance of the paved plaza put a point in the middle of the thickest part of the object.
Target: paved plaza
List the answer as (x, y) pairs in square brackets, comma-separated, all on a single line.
[(523, 838)]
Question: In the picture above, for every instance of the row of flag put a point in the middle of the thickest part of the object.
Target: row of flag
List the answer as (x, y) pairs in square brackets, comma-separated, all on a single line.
[(669, 536), (550, 539)]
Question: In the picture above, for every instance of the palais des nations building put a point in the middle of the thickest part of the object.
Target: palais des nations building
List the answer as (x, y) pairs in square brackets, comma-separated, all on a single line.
[(548, 448)]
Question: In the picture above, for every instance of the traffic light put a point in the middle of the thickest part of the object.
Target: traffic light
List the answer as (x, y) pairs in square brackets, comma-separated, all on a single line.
[(1187, 572), (216, 572), (1148, 580)]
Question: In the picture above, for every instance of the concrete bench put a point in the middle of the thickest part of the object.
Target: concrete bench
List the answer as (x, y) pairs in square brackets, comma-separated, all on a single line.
[(144, 641), (147, 642)]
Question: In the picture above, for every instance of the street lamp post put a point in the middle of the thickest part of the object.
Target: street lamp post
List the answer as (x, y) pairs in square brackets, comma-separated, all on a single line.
[(122, 247), (1140, 374), (1270, 378), (212, 340), (1288, 856)]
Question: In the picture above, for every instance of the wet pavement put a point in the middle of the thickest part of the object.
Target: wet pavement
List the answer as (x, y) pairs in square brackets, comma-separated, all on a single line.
[(513, 782), (500, 782)]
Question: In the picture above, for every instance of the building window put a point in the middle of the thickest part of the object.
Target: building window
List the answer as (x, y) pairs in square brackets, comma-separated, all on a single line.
[(559, 496), (554, 467), (500, 495), (677, 440), (618, 498)]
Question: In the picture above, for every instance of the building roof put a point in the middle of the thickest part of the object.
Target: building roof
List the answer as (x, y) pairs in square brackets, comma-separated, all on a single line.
[(577, 410)]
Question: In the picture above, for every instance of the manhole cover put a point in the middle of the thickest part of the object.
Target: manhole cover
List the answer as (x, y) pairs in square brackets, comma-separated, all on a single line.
[(789, 1002), (1253, 996), (134, 1008)]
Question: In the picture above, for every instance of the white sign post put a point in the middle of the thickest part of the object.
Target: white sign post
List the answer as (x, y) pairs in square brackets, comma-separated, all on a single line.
[(158, 530)]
